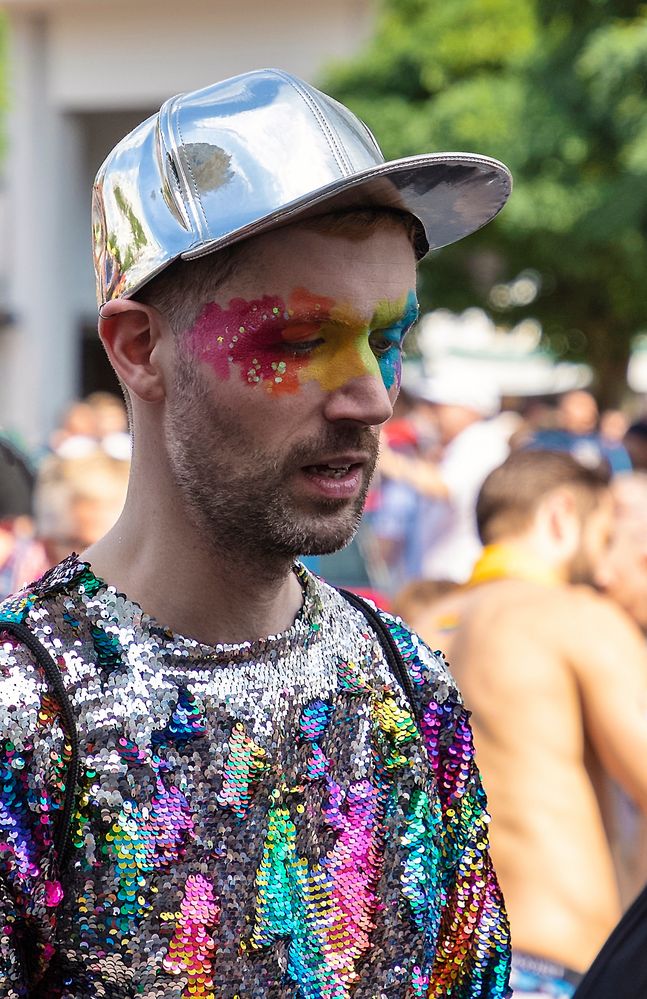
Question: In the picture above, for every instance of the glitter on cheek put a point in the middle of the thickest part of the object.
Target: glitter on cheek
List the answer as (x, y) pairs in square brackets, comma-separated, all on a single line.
[(252, 337), (246, 335)]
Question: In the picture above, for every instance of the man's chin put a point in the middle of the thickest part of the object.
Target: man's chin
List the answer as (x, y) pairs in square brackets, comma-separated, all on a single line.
[(329, 538), (327, 547)]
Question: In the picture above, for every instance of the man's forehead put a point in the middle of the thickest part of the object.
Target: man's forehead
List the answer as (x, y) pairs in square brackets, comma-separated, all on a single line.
[(350, 265)]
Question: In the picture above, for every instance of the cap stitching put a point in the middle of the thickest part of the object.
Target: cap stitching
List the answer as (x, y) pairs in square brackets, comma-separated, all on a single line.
[(193, 180), (333, 140)]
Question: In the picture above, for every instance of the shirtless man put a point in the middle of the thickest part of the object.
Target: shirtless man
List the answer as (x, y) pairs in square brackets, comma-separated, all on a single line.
[(622, 574), (556, 677)]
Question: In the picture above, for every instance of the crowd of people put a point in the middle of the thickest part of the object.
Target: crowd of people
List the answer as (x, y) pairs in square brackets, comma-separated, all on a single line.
[(64, 497)]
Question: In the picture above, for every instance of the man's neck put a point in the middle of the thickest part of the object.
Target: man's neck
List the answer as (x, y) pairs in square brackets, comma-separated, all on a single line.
[(186, 586)]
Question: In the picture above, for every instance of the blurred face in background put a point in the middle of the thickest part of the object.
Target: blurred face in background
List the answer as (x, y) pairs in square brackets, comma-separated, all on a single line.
[(622, 573), (77, 501), (596, 531), (451, 420), (578, 412)]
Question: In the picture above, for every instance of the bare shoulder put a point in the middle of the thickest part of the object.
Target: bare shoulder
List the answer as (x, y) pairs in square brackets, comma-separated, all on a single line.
[(440, 618), (597, 610), (600, 635)]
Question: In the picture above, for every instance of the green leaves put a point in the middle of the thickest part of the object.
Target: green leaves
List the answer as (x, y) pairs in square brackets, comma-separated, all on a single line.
[(556, 89)]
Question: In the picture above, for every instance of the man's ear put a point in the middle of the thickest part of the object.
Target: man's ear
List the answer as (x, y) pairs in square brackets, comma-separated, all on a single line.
[(135, 337), (562, 508)]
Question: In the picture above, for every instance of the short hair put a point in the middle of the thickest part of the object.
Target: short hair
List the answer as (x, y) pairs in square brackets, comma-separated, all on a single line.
[(182, 288), (512, 493)]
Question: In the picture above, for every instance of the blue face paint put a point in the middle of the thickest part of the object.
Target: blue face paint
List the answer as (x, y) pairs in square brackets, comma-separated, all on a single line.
[(386, 340)]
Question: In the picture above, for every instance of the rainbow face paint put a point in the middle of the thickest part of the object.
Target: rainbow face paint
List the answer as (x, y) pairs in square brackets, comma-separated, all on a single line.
[(282, 346)]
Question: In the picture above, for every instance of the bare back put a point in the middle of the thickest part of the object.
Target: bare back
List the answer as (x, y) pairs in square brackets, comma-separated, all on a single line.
[(526, 658)]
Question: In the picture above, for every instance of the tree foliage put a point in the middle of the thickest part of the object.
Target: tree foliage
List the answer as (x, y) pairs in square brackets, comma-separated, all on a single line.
[(556, 89)]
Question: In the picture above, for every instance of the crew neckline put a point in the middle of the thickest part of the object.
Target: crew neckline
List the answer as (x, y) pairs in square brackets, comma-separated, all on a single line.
[(77, 572)]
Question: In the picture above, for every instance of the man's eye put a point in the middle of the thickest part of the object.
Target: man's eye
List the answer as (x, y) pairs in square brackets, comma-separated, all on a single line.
[(301, 346), (382, 344)]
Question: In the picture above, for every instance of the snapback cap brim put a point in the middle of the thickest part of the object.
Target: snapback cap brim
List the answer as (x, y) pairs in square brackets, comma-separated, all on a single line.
[(451, 194)]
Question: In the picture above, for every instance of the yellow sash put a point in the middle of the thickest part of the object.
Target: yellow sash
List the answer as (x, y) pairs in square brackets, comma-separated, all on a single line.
[(501, 561)]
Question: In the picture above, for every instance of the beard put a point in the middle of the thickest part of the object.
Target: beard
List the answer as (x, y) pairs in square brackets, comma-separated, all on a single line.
[(581, 569), (238, 495)]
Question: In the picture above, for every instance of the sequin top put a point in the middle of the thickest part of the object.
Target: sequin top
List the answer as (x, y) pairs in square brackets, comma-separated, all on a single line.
[(261, 821)]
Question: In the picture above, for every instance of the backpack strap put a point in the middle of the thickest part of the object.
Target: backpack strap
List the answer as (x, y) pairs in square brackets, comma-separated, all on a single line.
[(391, 651), (56, 684)]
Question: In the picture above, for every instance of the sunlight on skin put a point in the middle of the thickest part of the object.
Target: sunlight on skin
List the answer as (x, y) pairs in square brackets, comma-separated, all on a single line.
[(311, 338)]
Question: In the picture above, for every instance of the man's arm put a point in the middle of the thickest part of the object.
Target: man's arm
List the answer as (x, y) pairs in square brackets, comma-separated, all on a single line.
[(420, 474), (473, 944), (609, 655)]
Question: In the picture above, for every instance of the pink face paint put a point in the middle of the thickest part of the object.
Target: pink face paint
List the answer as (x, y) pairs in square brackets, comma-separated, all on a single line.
[(311, 338)]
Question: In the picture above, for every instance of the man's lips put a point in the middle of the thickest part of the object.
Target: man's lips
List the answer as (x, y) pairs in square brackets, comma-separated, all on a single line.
[(338, 476), (336, 465)]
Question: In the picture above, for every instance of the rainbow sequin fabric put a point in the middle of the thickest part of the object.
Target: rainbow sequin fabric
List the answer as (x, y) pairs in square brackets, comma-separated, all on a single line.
[(261, 821)]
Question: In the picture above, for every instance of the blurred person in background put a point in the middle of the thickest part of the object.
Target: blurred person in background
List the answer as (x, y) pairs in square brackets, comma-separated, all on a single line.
[(111, 423), (77, 500), (413, 600), (556, 677), (576, 431), (76, 433), (635, 442), (98, 420), (622, 575), (22, 558), (394, 513), (463, 407), (613, 426)]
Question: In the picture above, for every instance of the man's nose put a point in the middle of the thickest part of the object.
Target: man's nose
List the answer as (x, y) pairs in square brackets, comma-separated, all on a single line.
[(364, 399)]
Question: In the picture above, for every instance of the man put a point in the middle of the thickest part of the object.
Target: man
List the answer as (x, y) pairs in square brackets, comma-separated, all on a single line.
[(556, 677), (462, 407), (623, 571), (255, 813), (622, 574)]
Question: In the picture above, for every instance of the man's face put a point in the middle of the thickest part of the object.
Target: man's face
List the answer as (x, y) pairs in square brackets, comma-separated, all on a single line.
[(280, 385), (594, 541), (622, 574)]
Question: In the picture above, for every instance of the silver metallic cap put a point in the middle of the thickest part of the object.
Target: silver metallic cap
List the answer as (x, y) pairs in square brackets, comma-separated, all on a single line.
[(252, 153)]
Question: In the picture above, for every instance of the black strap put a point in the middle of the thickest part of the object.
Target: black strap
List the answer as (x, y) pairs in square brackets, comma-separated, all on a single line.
[(55, 681), (391, 651)]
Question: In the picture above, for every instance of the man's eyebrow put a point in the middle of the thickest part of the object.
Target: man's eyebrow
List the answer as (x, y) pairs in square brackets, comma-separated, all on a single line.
[(388, 314)]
